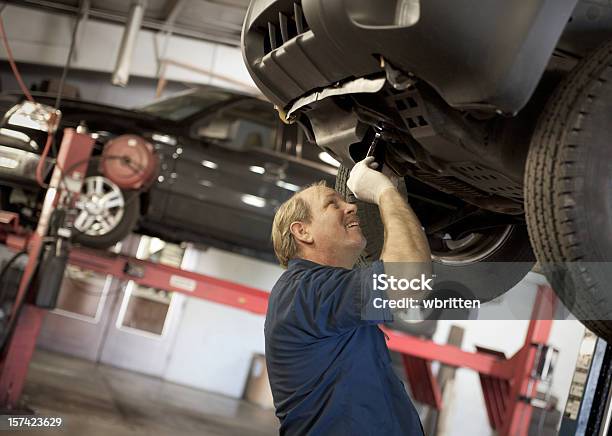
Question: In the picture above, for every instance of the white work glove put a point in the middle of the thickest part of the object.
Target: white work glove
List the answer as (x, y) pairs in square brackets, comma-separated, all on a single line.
[(366, 183)]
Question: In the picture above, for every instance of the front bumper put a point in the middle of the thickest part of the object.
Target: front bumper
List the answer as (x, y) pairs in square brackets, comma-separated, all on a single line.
[(476, 55)]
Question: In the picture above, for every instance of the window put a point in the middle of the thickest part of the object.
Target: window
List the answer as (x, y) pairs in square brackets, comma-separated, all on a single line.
[(184, 105), (147, 310), (83, 294), (246, 124)]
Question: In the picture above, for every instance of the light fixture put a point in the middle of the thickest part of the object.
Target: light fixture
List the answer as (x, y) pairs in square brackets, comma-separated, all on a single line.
[(328, 159), (257, 169), (253, 200), (287, 185), (166, 139), (210, 164)]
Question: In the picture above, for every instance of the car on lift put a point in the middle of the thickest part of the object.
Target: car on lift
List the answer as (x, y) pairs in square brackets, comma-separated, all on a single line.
[(226, 163), (496, 114)]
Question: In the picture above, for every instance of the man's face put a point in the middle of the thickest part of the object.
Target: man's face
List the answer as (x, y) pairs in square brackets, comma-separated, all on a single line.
[(334, 225)]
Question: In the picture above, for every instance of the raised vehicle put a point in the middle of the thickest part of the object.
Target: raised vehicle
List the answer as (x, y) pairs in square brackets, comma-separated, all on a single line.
[(226, 162), (496, 114)]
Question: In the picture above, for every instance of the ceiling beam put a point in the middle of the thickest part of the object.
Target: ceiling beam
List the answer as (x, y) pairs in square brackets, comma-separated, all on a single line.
[(171, 12)]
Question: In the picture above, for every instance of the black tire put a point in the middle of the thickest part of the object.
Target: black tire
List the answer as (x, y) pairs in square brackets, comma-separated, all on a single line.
[(568, 191), (128, 221), (487, 279)]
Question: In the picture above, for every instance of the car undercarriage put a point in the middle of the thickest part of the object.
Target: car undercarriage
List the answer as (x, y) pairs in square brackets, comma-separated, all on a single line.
[(463, 110)]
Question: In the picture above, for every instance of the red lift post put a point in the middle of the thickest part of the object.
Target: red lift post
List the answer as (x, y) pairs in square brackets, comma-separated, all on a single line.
[(508, 384), (73, 157)]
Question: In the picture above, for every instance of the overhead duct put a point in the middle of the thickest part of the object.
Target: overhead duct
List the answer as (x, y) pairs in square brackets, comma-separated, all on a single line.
[(121, 73)]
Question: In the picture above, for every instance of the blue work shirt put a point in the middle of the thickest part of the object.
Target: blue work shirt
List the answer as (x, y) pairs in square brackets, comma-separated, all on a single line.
[(328, 362)]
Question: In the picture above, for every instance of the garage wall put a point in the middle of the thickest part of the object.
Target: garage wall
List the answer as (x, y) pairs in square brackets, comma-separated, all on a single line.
[(93, 86), (47, 42), (214, 342)]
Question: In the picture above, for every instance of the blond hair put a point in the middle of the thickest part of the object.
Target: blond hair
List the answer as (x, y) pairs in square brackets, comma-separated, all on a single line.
[(292, 210)]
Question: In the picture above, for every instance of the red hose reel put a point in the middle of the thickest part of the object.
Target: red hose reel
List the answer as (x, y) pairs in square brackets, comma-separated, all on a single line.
[(130, 162)]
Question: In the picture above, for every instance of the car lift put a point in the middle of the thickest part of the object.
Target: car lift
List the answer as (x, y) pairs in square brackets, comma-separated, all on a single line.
[(509, 385)]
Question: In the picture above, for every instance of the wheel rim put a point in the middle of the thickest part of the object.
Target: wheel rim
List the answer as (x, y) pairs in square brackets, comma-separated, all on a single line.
[(472, 248), (101, 207)]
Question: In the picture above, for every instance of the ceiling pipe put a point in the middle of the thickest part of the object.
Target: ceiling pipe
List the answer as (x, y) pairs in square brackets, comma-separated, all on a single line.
[(121, 73)]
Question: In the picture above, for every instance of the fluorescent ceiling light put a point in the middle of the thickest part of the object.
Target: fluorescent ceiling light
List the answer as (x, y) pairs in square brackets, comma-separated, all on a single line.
[(166, 139), (328, 159), (210, 164), (286, 185), (257, 169), (253, 200)]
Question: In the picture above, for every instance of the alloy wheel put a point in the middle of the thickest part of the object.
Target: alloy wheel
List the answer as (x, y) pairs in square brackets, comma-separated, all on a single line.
[(101, 206)]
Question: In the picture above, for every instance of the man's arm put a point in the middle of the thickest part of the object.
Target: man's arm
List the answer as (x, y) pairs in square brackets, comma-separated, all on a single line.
[(405, 240), (406, 252)]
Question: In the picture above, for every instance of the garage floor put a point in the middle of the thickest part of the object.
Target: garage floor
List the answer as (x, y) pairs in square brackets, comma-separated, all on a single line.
[(100, 400)]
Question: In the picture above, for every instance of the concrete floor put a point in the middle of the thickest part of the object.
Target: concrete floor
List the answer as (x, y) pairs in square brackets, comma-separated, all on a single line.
[(98, 400)]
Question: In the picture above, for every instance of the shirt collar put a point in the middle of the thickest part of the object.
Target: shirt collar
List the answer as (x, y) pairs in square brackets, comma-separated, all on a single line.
[(297, 262)]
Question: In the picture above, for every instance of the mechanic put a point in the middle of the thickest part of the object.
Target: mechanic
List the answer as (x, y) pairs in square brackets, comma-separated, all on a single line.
[(328, 362)]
